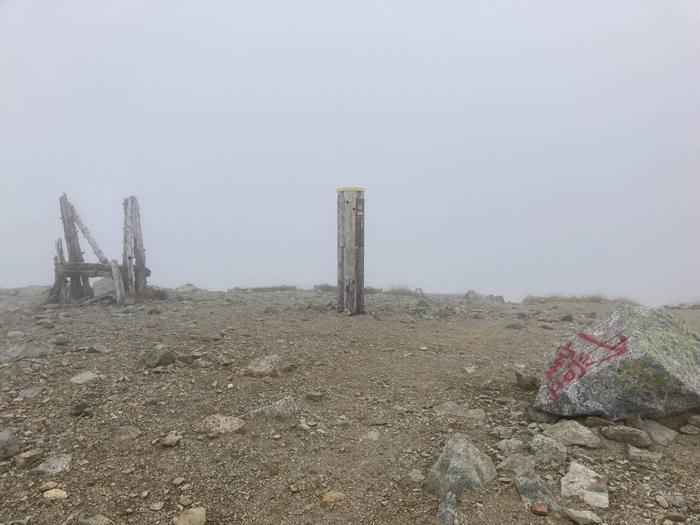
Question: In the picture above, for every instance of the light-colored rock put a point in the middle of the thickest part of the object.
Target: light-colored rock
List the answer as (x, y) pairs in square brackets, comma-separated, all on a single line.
[(9, 446), (690, 430), (98, 519), (193, 516), (639, 361), (509, 446), (269, 365), (627, 435), (517, 463), (218, 424), (642, 457), (172, 439), (584, 483), (54, 465), (659, 433), (55, 495), (332, 497), (572, 433), (582, 517), (84, 377), (283, 408), (452, 409), (548, 451), (28, 458)]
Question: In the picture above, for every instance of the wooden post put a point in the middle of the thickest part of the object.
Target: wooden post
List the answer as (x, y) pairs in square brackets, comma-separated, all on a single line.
[(139, 251), (118, 282), (79, 285), (351, 250), (128, 260), (86, 233)]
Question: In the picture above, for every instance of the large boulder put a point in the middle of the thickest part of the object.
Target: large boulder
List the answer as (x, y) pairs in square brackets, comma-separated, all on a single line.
[(637, 362)]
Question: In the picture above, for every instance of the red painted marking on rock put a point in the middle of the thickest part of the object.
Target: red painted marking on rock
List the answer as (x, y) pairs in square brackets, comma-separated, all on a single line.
[(570, 365)]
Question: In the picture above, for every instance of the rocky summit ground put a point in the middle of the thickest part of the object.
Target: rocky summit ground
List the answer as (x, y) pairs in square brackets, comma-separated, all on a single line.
[(110, 410)]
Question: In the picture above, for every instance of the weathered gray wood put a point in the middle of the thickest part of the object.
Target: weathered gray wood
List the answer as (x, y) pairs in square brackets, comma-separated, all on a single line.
[(128, 257), (79, 285), (118, 282), (351, 250), (139, 251), (59, 290), (86, 233)]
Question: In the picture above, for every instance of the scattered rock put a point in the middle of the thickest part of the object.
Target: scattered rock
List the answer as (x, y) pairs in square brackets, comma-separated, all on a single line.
[(460, 467), (526, 382), (586, 484), (269, 365), (159, 356), (314, 396), (30, 393), (54, 465), (279, 409), (81, 408), (28, 458), (501, 432), (129, 433), (517, 463), (416, 476), (627, 435), (332, 497), (9, 446), (691, 430), (639, 361), (84, 377), (218, 424), (548, 451), (659, 433), (508, 446), (540, 508), (98, 519), (537, 416), (193, 516), (47, 485), (642, 457), (572, 433), (596, 421), (171, 440), (582, 517), (567, 318), (55, 495), (532, 488), (452, 409)]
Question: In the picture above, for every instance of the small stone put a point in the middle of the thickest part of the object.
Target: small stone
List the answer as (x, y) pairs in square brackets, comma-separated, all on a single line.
[(28, 458), (269, 365), (98, 519), (30, 393), (81, 408), (572, 433), (548, 451), (158, 505), (663, 503), (526, 382), (332, 497), (540, 508), (84, 377), (582, 517), (691, 430), (129, 433), (644, 457), (596, 421), (586, 484), (659, 433), (184, 500), (178, 481), (194, 516), (9, 446), (159, 356), (314, 396), (55, 495), (416, 476), (47, 485), (627, 435), (54, 465), (567, 318), (171, 440), (218, 424)]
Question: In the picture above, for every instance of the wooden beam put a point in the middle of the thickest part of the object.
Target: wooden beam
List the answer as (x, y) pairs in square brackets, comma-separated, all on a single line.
[(118, 282), (79, 286), (86, 233), (139, 250), (351, 250), (128, 256)]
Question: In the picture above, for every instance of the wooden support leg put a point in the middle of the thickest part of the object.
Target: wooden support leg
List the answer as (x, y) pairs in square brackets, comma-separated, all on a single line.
[(351, 250)]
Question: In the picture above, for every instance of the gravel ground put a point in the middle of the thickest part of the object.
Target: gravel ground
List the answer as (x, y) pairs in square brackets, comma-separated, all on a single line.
[(363, 393)]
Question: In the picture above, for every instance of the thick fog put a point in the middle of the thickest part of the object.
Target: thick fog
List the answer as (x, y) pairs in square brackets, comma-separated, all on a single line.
[(509, 147)]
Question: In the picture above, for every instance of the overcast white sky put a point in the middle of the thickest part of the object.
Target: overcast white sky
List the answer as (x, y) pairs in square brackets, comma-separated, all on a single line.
[(512, 147)]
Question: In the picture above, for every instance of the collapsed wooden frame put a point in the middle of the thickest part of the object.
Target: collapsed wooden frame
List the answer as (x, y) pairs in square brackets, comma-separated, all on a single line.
[(72, 276)]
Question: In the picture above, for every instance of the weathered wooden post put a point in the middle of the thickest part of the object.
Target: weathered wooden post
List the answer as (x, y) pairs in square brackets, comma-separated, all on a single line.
[(79, 284), (351, 250)]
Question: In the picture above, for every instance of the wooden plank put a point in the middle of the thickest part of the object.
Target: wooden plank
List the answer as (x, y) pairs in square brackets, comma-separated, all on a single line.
[(139, 251), (118, 282), (86, 233), (79, 286), (351, 250), (128, 256)]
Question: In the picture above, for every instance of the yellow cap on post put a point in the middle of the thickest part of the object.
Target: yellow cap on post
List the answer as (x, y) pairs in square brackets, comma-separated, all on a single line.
[(350, 188)]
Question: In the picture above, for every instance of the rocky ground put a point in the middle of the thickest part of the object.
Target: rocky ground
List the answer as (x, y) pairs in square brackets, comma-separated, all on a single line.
[(324, 419)]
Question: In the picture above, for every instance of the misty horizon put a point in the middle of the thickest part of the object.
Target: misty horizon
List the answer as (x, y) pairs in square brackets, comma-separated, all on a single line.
[(512, 149)]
